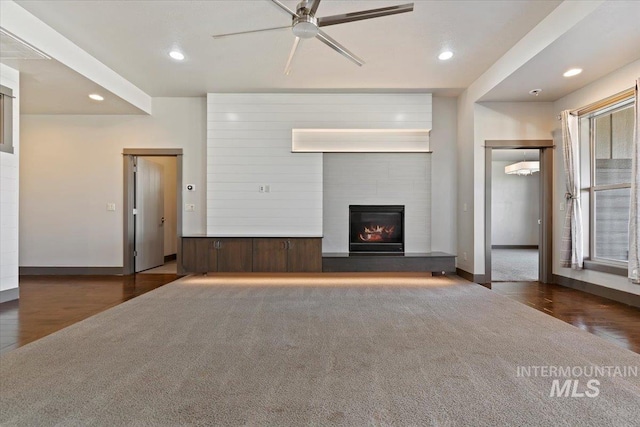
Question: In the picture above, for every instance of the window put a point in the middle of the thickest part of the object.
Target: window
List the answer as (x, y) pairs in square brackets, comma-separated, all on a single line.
[(6, 119), (611, 138)]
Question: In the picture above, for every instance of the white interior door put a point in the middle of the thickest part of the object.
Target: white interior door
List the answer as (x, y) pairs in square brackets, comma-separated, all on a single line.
[(149, 218)]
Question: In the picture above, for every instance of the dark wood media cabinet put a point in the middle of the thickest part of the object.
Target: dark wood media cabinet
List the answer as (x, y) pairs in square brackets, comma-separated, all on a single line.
[(434, 262), (210, 254)]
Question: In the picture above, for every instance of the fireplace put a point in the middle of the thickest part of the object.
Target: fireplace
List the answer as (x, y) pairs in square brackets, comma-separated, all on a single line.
[(376, 228)]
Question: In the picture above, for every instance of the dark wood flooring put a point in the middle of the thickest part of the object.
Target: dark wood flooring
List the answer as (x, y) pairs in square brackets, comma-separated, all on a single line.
[(611, 320), (50, 303)]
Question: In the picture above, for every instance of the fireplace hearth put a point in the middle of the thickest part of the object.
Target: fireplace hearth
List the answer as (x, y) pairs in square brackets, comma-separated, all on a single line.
[(376, 228)]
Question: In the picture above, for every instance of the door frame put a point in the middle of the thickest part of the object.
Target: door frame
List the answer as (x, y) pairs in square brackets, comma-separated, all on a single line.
[(545, 243), (128, 224)]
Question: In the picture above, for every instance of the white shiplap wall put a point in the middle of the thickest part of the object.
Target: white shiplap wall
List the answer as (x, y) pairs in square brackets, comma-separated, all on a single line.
[(249, 144)]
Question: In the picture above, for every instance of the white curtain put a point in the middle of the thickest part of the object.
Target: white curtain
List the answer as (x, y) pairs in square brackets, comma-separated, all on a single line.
[(634, 220), (571, 252)]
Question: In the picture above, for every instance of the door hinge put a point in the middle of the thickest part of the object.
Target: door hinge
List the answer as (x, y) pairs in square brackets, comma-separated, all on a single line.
[(135, 211), (135, 253)]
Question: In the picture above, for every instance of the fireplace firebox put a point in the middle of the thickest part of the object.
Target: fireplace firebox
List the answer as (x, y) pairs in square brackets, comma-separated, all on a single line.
[(376, 228)]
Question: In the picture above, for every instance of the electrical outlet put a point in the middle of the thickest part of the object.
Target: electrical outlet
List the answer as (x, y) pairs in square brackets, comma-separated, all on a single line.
[(261, 188), (189, 207), (111, 207)]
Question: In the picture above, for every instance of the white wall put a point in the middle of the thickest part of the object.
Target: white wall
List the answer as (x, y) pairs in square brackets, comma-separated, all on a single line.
[(249, 144), (170, 202), (502, 120), (71, 167), (377, 179), (444, 175), (515, 207), (470, 154), (9, 179), (620, 80), (465, 184)]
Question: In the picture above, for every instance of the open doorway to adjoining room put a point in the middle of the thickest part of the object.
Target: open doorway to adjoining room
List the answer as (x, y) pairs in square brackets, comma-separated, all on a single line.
[(515, 215), (518, 210)]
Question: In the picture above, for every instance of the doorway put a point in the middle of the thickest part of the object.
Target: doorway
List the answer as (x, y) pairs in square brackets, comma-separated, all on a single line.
[(515, 215), (542, 199), (152, 218)]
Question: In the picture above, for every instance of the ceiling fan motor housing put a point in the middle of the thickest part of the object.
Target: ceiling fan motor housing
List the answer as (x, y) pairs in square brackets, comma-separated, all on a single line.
[(305, 26)]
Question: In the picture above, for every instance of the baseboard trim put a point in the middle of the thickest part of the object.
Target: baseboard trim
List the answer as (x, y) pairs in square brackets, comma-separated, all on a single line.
[(514, 247), (601, 291), (477, 278), (71, 271), (9, 295), (171, 257)]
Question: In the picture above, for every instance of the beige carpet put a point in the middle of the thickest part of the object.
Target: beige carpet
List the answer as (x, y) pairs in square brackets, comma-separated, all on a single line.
[(298, 351)]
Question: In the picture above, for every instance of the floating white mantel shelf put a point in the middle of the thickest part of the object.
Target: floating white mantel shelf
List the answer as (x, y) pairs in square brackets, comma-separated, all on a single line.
[(360, 140)]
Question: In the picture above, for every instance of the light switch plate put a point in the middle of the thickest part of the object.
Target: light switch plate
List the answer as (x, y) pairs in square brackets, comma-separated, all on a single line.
[(111, 207), (189, 207)]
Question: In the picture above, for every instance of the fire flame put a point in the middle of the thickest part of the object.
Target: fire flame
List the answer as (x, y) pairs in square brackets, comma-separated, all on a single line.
[(377, 233)]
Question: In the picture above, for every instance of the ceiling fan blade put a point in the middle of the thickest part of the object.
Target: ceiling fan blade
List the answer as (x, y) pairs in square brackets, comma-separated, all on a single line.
[(287, 68), (364, 14), (284, 8), (324, 38), (218, 36), (314, 7)]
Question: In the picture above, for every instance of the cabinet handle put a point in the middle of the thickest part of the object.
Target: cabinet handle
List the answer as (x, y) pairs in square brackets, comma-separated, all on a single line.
[(283, 245), (289, 244)]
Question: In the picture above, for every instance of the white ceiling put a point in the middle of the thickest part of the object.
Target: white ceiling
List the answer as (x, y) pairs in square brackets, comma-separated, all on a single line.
[(599, 44), (400, 52), (49, 87)]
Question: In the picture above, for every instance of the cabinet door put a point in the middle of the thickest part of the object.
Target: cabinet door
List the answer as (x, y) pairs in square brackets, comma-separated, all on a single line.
[(305, 255), (234, 255), (269, 255), (196, 255)]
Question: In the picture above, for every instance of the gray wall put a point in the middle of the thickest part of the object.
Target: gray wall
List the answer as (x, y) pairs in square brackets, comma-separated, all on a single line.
[(444, 175), (377, 179), (515, 207)]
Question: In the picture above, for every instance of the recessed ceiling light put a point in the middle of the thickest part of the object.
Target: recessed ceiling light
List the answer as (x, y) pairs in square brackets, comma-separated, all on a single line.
[(535, 92), (445, 55), (572, 72), (178, 56), (96, 97)]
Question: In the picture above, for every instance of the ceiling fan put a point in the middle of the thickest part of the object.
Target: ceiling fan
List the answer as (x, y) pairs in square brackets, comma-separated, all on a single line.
[(306, 25)]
